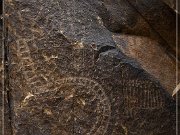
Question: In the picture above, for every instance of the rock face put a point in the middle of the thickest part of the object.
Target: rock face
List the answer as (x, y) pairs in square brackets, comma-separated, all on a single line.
[(149, 54), (68, 77), (5, 125), (1, 78), (172, 4)]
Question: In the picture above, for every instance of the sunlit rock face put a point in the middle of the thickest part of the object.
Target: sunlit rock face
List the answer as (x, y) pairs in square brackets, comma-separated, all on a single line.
[(69, 75)]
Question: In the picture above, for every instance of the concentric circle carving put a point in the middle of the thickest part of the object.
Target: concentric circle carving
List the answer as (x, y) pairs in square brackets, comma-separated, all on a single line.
[(76, 106)]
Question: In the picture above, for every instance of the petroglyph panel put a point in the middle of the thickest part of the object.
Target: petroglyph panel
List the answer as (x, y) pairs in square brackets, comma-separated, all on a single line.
[(68, 78), (80, 106)]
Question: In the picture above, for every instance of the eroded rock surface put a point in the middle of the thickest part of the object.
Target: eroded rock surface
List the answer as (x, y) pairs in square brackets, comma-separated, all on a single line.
[(67, 76), (150, 56), (5, 124)]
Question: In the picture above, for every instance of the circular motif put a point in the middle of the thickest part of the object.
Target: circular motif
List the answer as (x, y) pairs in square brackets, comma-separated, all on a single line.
[(76, 106)]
